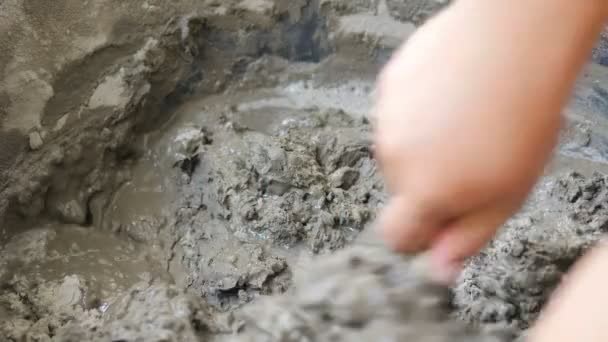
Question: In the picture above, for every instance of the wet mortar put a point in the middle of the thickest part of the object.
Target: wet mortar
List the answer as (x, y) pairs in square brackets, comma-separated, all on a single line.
[(204, 171)]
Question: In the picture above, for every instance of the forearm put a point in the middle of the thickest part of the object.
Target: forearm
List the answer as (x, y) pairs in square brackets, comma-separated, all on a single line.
[(578, 310), (505, 63), (526, 47), (501, 72), (540, 45)]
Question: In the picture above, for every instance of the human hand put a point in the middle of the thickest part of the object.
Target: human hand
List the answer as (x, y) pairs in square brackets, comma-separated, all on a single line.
[(466, 119)]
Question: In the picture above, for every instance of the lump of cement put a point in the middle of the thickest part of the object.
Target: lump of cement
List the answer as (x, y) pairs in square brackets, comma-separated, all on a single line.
[(30, 308), (147, 313), (315, 182), (35, 140), (600, 52), (225, 271), (361, 294), (416, 11), (513, 278), (32, 311), (585, 196)]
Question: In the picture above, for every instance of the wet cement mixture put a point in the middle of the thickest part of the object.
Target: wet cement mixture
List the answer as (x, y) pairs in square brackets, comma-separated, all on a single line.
[(204, 171)]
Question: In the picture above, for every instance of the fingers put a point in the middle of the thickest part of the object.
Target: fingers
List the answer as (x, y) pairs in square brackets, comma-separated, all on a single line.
[(409, 227), (454, 244), (463, 239), (466, 236), (406, 226), (445, 273)]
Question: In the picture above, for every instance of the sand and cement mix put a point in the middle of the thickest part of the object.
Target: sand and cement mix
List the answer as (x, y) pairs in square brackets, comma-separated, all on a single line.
[(204, 171)]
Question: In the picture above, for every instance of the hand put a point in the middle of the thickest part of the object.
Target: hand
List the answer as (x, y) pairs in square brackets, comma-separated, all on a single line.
[(466, 119)]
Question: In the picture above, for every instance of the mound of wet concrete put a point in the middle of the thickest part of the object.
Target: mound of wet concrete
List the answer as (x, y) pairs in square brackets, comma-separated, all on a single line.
[(362, 293), (164, 168)]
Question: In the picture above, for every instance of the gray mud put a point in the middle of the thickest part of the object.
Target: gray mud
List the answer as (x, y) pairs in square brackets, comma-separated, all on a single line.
[(362, 293), (199, 171)]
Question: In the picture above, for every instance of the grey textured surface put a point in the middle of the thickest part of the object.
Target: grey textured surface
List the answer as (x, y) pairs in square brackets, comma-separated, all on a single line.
[(362, 293), (166, 168)]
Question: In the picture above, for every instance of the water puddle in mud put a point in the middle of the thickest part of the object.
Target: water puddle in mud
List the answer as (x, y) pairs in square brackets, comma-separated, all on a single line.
[(106, 265), (149, 200), (142, 206)]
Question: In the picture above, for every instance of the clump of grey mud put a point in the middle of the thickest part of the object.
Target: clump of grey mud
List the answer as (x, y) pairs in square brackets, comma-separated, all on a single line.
[(362, 293), (167, 170)]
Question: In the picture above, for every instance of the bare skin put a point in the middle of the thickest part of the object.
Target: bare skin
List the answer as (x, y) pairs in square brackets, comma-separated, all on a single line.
[(580, 302), (468, 113)]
